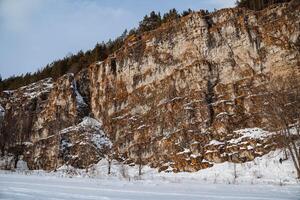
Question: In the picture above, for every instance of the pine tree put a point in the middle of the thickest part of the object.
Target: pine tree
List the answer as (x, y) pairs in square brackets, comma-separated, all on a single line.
[(186, 12), (74, 63), (257, 4), (171, 15), (150, 22)]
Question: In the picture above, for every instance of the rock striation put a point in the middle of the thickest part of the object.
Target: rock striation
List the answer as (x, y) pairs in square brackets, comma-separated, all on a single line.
[(180, 98)]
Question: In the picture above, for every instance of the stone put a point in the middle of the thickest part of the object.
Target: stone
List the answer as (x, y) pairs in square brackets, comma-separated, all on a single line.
[(162, 97)]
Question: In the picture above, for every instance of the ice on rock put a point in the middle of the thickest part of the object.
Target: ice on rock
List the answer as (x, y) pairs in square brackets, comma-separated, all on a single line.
[(21, 164), (79, 99), (2, 111)]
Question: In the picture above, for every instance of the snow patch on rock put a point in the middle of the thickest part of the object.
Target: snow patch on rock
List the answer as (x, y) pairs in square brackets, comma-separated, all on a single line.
[(90, 122), (215, 142), (101, 141), (252, 133), (87, 122), (36, 89)]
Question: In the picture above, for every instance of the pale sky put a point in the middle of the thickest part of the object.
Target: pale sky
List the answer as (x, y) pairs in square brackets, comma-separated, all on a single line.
[(34, 33)]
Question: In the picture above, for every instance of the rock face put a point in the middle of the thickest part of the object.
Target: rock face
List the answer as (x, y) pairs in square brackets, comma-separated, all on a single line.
[(173, 98), (79, 146)]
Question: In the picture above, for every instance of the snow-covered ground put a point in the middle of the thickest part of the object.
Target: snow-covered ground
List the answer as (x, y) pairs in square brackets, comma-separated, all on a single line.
[(16, 186), (264, 178)]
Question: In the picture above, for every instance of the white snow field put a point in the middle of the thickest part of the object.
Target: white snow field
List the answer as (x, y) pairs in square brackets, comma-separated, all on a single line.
[(262, 179), (13, 186)]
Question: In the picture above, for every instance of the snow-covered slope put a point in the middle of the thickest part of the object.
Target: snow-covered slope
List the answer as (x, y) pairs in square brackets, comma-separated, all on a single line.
[(263, 170), (266, 169)]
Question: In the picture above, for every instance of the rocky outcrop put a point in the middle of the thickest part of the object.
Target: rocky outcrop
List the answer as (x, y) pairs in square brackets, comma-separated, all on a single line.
[(79, 146), (173, 98), (21, 109), (193, 81)]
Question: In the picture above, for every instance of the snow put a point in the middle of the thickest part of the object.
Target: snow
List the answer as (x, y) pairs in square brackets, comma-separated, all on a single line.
[(165, 101), (2, 111), (263, 179), (22, 165), (8, 92), (26, 143), (90, 122), (176, 98), (263, 170), (188, 108), (86, 122), (16, 186), (141, 127), (184, 151), (223, 114), (79, 98), (6, 161), (215, 142), (35, 89), (253, 133), (97, 137), (195, 155), (65, 144), (34, 187), (101, 141), (120, 117), (249, 147)]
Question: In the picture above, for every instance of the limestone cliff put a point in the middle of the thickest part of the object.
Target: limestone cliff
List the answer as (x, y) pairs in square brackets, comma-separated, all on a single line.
[(174, 98)]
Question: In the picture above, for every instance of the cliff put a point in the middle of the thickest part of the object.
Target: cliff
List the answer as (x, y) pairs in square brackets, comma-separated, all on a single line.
[(182, 97)]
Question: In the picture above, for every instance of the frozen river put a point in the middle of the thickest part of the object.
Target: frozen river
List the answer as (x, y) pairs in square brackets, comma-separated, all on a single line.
[(14, 186)]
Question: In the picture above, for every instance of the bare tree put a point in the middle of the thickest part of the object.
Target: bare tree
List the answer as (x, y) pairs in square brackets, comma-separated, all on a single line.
[(107, 152), (140, 149), (124, 171), (139, 157), (109, 158), (234, 171), (282, 109)]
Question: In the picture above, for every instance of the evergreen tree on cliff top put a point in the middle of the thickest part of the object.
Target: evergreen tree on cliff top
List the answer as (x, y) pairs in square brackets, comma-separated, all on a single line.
[(258, 4)]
